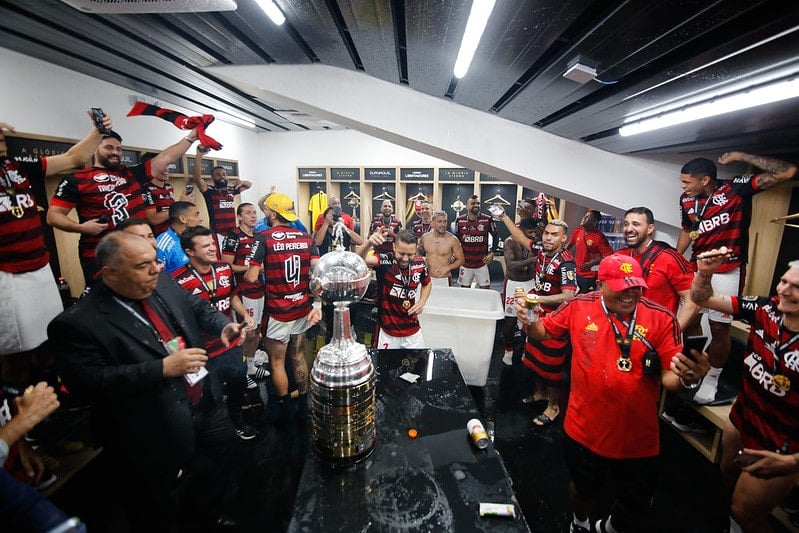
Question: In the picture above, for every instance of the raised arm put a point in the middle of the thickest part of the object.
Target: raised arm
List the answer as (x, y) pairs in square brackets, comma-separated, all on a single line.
[(375, 239), (776, 170), (515, 232), (169, 155), (197, 172), (702, 290), (80, 152)]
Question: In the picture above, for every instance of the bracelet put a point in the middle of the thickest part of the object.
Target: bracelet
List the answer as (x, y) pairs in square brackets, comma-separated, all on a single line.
[(689, 386), (191, 141), (316, 305)]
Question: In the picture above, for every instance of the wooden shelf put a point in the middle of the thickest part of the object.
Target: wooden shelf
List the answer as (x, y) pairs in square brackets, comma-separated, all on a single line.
[(708, 444), (70, 464)]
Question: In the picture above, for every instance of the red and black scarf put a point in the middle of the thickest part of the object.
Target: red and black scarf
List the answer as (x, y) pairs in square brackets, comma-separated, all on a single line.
[(180, 120)]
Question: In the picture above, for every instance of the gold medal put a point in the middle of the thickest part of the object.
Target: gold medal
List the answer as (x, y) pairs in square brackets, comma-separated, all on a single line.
[(694, 235), (782, 382), (17, 211), (406, 304), (624, 364)]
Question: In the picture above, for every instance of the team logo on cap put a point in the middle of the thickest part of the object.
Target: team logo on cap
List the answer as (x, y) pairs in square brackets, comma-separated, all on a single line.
[(627, 268)]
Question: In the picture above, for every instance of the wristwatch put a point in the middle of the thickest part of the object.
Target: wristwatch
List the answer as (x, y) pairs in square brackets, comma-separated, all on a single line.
[(689, 386)]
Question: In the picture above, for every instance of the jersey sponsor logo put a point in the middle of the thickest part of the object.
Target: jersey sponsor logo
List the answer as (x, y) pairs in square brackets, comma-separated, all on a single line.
[(291, 270), (223, 304), (473, 238), (546, 287), (278, 235), (14, 176), (759, 372), (196, 291), (714, 222), (22, 200), (225, 204), (745, 178), (296, 297), (400, 292), (591, 327)]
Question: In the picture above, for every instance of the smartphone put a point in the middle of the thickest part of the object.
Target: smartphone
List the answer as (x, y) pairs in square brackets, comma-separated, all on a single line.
[(189, 188), (104, 219), (97, 114), (745, 459), (694, 343)]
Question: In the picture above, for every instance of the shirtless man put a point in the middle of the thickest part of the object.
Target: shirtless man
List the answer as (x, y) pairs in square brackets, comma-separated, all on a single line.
[(442, 250), (519, 267)]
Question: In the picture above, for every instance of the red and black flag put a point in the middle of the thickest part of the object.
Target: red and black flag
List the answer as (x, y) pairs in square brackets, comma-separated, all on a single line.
[(180, 120)]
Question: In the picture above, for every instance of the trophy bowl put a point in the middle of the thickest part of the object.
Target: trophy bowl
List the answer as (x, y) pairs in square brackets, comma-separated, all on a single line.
[(340, 277)]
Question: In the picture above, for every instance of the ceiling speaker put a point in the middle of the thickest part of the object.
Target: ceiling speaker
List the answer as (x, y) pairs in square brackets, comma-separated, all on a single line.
[(123, 7)]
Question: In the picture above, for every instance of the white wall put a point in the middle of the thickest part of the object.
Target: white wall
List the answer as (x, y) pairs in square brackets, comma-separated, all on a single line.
[(44, 99)]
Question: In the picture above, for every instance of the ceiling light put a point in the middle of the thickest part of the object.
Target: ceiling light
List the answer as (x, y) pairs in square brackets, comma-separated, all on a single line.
[(233, 119), (717, 105), (272, 11), (478, 18)]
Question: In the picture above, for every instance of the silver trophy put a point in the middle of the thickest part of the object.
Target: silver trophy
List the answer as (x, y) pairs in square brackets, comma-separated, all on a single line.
[(342, 377)]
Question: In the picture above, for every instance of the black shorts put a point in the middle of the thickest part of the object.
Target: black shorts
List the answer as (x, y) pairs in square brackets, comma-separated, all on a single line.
[(635, 481)]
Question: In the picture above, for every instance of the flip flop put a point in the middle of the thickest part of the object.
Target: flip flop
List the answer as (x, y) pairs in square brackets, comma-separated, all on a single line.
[(543, 420), (529, 400)]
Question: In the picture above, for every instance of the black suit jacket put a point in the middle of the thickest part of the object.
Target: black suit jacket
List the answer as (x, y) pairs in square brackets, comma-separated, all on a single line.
[(108, 357)]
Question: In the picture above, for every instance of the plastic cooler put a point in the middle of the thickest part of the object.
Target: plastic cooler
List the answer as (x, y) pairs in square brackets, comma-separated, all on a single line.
[(465, 321)]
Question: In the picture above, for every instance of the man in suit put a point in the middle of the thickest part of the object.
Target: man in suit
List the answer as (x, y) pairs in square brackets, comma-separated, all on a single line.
[(127, 349)]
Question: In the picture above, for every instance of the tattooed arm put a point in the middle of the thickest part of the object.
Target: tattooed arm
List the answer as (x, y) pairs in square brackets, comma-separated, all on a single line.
[(776, 170)]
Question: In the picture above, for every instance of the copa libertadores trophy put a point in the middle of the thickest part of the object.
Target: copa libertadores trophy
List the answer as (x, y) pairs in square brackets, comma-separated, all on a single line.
[(342, 377)]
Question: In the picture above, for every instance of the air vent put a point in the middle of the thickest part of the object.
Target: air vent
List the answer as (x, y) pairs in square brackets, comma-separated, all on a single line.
[(120, 7)]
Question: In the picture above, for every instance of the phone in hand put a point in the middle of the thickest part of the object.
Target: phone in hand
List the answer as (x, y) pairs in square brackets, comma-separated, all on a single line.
[(743, 459), (694, 343), (98, 114)]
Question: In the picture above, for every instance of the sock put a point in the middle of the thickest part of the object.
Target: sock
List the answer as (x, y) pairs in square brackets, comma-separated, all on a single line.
[(710, 384), (582, 523), (508, 348)]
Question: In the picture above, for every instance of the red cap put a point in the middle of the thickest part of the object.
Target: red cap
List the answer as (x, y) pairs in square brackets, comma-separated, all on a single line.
[(621, 272)]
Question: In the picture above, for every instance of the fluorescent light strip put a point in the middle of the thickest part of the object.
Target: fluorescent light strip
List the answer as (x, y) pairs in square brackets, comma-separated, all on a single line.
[(475, 26), (272, 11), (753, 97)]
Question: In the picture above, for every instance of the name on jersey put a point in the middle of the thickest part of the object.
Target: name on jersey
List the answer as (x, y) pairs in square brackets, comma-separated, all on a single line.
[(282, 246), (714, 222), (473, 238)]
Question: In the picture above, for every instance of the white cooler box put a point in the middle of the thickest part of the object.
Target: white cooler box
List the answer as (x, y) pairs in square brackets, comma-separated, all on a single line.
[(464, 320)]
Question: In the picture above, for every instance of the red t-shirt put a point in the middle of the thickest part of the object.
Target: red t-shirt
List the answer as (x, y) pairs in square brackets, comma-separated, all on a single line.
[(588, 246), (613, 413), (666, 274)]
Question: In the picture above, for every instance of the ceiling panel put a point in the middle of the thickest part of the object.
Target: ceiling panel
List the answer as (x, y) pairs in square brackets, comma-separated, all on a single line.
[(648, 52)]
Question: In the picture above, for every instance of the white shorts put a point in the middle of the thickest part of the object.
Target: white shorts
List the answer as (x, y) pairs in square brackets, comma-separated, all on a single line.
[(441, 282), (726, 283), (466, 275), (510, 296), (29, 302), (389, 342), (282, 331), (254, 307)]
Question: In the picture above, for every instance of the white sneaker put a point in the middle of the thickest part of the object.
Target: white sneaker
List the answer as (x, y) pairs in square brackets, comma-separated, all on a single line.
[(260, 357), (507, 359)]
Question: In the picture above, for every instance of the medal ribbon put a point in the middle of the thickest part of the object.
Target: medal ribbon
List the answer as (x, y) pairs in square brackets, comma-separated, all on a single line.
[(781, 348), (210, 290)]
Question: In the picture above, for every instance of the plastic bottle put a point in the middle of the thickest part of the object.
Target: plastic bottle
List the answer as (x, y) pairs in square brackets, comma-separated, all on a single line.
[(63, 290)]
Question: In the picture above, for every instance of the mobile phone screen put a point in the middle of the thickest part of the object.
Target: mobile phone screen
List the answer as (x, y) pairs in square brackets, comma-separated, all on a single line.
[(694, 343)]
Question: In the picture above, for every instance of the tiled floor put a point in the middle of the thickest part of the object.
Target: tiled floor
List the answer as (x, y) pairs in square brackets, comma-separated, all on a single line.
[(689, 499)]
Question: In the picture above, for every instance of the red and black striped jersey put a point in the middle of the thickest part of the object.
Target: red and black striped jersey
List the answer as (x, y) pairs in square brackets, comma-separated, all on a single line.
[(221, 208), (765, 413), (398, 290), (22, 247), (96, 192), (286, 255), (554, 274), (239, 245), (163, 198), (393, 224), (216, 286), (721, 219), (473, 235), (420, 228)]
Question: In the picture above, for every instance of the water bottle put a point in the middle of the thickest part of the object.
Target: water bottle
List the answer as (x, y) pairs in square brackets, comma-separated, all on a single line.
[(63, 290)]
